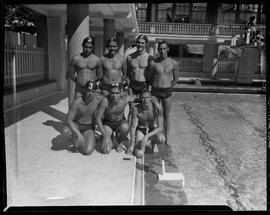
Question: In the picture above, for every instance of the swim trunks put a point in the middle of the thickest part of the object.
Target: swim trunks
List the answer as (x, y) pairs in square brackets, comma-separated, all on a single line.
[(113, 124), (161, 93), (137, 86)]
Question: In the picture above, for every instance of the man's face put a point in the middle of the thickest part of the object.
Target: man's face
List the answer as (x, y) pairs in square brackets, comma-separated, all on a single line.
[(89, 95), (145, 98), (87, 48), (163, 50), (112, 47), (115, 94), (141, 44)]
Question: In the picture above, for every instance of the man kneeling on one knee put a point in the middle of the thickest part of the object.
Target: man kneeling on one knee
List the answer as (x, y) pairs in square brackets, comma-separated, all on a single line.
[(111, 120), (80, 119), (146, 124)]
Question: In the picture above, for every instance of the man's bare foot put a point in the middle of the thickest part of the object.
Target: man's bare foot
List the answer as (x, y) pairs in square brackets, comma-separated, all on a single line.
[(119, 147), (73, 149), (130, 151)]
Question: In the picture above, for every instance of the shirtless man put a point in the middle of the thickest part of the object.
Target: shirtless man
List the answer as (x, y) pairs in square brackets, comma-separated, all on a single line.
[(111, 121), (146, 115), (138, 67), (113, 66), (85, 67), (164, 76), (80, 119)]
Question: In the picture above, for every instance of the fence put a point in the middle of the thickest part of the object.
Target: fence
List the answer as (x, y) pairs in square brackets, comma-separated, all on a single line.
[(190, 64), (229, 66), (23, 64), (192, 29)]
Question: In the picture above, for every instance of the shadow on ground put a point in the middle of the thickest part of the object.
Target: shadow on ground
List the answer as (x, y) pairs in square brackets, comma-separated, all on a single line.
[(13, 116)]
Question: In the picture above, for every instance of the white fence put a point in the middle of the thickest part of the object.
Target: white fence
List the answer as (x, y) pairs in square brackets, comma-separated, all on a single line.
[(23, 64), (229, 66)]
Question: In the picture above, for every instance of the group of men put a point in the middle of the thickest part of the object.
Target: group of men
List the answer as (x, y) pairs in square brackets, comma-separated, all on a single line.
[(106, 86)]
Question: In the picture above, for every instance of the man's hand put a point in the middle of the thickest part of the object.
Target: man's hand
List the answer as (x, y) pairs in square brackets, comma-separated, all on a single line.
[(79, 140), (107, 144)]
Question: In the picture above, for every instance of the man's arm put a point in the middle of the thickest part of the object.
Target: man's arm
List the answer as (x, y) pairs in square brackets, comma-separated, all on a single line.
[(134, 123), (175, 73), (99, 70), (72, 70), (129, 69), (149, 70), (71, 115), (124, 69), (159, 115), (100, 111)]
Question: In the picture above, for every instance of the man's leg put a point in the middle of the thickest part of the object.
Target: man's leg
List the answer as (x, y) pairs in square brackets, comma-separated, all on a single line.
[(166, 105), (121, 133), (138, 150), (66, 132), (106, 147), (90, 142)]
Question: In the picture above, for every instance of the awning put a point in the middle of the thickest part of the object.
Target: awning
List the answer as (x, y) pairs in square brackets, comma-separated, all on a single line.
[(195, 48)]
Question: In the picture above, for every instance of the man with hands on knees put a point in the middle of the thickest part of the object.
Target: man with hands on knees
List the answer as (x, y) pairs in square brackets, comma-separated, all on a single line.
[(146, 124), (80, 123), (111, 120)]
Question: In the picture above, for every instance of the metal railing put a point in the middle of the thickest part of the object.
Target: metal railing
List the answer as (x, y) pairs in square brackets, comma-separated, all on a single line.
[(23, 64), (229, 66), (192, 29), (190, 64)]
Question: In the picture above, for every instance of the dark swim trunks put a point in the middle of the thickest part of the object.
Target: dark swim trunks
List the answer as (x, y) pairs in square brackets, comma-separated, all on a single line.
[(85, 127), (137, 86), (113, 124), (79, 88), (143, 129), (106, 87), (161, 93)]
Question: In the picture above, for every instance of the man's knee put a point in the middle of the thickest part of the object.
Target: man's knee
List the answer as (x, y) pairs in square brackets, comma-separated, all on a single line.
[(123, 128), (161, 137), (66, 131), (106, 147)]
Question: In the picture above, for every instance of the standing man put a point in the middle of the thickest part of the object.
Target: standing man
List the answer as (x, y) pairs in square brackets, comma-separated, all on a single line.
[(138, 66), (80, 119), (146, 115), (113, 66), (85, 67), (164, 76), (111, 121)]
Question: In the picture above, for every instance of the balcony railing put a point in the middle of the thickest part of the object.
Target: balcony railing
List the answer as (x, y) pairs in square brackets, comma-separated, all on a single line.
[(23, 64), (192, 29)]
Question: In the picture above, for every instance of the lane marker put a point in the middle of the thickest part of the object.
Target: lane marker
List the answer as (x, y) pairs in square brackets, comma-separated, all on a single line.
[(133, 182)]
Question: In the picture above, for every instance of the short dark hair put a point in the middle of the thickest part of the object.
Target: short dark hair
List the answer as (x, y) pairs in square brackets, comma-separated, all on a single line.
[(88, 40), (145, 90), (112, 39), (162, 42), (142, 36)]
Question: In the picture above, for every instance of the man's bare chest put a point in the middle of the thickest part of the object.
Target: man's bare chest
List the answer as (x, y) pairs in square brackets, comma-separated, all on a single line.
[(86, 64), (115, 108), (109, 64), (163, 68), (139, 62)]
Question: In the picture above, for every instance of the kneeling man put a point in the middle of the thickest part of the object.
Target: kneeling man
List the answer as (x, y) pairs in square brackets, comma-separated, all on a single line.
[(111, 120), (146, 124), (80, 119)]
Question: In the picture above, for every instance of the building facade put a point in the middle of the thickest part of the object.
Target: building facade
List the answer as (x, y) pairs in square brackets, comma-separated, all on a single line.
[(199, 33)]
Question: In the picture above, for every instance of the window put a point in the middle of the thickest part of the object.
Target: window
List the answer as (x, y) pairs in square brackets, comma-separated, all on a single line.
[(141, 12), (228, 13), (181, 13), (199, 12), (164, 12), (247, 10)]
